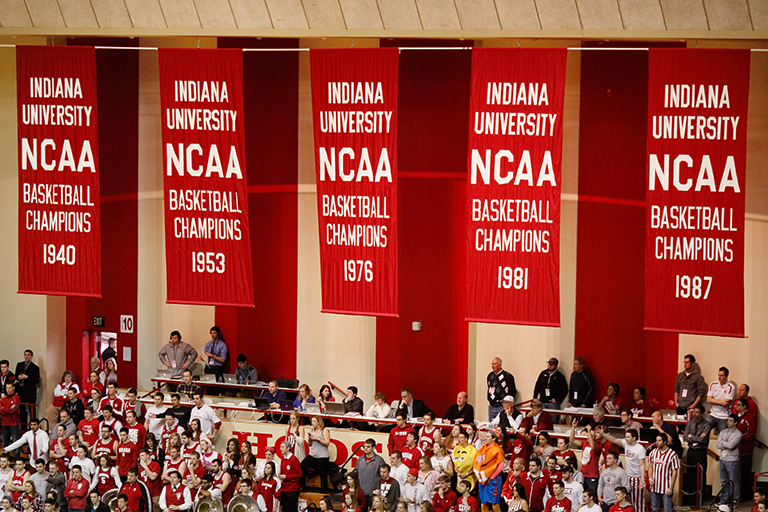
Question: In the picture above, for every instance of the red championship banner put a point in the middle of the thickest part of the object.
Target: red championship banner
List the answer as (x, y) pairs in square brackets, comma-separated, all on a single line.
[(513, 188), (59, 203), (697, 137), (207, 236), (354, 103)]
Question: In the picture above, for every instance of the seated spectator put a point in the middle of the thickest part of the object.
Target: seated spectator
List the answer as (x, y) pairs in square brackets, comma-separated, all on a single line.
[(543, 449), (245, 373), (68, 380), (537, 418), (303, 398), (461, 412), (353, 405), (598, 418), (627, 421), (325, 395), (95, 402), (187, 386), (380, 409), (411, 407), (509, 419), (109, 374), (641, 406), (611, 402), (92, 382), (273, 394)]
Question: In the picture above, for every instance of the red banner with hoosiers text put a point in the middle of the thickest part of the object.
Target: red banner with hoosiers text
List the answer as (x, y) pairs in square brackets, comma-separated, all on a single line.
[(513, 189), (59, 202), (207, 236), (354, 103), (697, 135)]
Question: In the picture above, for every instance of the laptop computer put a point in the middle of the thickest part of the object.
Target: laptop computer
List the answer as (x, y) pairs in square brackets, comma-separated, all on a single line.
[(286, 405), (312, 408), (334, 408), (648, 435), (164, 374), (669, 414), (261, 404), (208, 377), (229, 378)]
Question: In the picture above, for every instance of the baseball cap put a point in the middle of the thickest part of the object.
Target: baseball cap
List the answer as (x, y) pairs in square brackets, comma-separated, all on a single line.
[(508, 398), (413, 472), (553, 360)]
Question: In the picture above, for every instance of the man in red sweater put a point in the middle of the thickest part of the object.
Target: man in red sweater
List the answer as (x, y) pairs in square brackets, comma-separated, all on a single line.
[(9, 409), (398, 434), (290, 476), (127, 455), (76, 490)]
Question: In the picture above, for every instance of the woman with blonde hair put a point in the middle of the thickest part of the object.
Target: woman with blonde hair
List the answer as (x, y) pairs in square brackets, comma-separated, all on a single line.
[(294, 435), (319, 457), (303, 398)]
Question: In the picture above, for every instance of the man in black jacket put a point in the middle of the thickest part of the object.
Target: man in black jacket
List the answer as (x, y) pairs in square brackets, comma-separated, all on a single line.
[(582, 388), (411, 407), (27, 379), (551, 387)]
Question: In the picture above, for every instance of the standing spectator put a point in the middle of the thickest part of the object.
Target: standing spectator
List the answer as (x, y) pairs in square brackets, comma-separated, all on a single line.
[(76, 490), (500, 383), (290, 477), (367, 467), (488, 465), (27, 379), (319, 456), (622, 504), (37, 440), (153, 422), (9, 409), (74, 406), (136, 431), (175, 496), (127, 454), (209, 422), (6, 376), (413, 492), (387, 488), (720, 396), (663, 465), (697, 436), (611, 478), (87, 467), (558, 502), (728, 442), (177, 355), (215, 354), (461, 412), (582, 387), (398, 434), (113, 400), (109, 373), (245, 373), (57, 481), (131, 403), (690, 387), (743, 392), (39, 477), (95, 504), (551, 387), (673, 438), (535, 485), (411, 451), (748, 429), (110, 352)]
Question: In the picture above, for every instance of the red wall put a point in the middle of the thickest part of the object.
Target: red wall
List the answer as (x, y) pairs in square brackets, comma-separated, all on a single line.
[(118, 104), (611, 230), (432, 153), (266, 334)]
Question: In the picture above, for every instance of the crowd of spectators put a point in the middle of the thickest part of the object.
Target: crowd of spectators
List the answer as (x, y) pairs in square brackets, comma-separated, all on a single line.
[(164, 456)]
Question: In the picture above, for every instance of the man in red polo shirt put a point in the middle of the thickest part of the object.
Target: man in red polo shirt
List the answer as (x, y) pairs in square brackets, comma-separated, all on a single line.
[(149, 473), (132, 489)]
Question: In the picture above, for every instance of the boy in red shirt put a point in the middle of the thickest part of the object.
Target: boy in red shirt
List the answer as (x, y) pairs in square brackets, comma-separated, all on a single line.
[(467, 502), (9, 409), (622, 505), (444, 499), (133, 493), (127, 455), (558, 502), (88, 428)]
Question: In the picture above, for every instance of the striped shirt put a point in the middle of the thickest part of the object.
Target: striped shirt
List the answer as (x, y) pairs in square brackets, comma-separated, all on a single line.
[(664, 463)]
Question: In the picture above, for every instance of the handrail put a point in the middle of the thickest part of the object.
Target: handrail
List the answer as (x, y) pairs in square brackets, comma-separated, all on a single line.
[(337, 388)]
